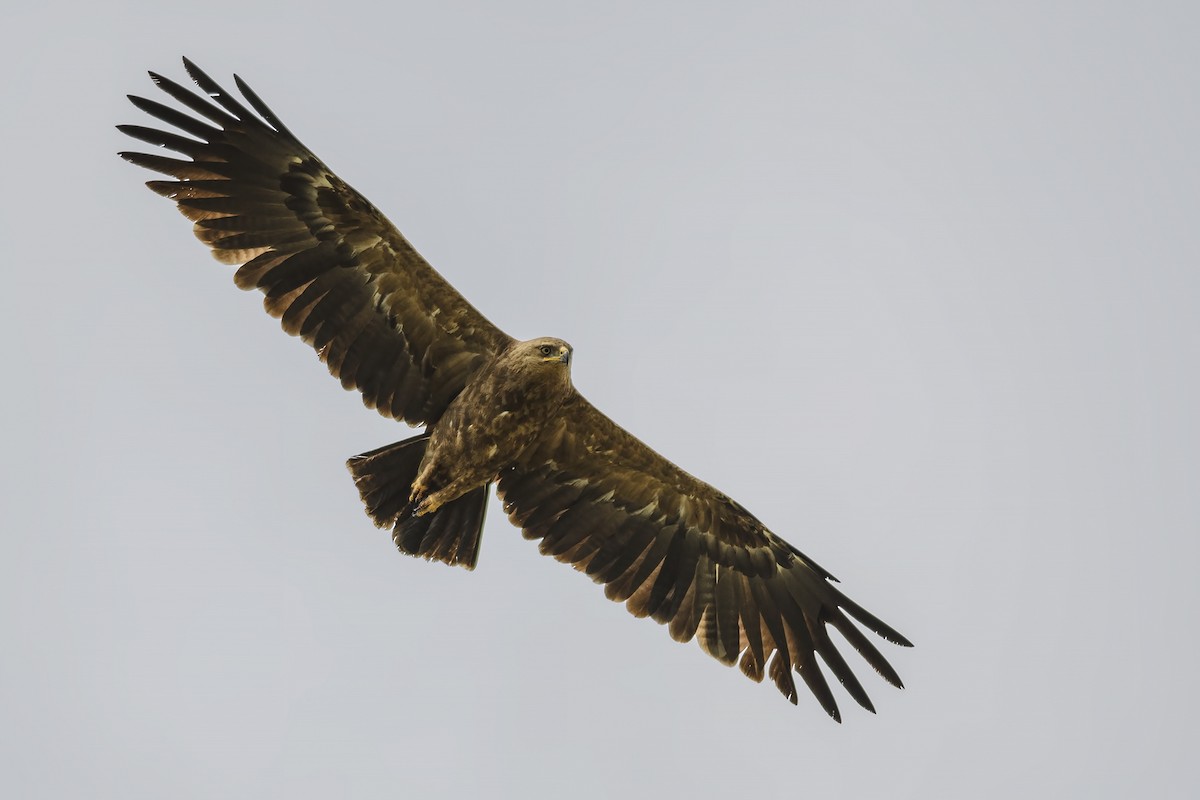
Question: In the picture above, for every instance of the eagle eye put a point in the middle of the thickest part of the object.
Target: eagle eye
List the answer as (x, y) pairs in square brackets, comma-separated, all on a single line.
[(546, 350)]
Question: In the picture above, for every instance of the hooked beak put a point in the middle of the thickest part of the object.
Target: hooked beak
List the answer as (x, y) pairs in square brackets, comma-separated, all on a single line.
[(563, 357)]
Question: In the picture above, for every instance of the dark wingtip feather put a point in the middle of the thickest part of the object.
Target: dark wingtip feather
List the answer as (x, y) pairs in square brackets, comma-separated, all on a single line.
[(195, 73), (262, 108), (180, 144), (874, 623), (812, 676), (196, 127)]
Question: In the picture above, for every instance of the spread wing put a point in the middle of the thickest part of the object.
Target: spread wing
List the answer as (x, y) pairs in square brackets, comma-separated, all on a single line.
[(675, 549), (332, 267)]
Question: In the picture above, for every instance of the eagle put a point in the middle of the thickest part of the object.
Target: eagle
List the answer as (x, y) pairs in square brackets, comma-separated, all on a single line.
[(494, 410)]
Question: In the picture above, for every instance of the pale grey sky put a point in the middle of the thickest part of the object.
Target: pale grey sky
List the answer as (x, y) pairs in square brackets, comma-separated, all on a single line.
[(923, 283)]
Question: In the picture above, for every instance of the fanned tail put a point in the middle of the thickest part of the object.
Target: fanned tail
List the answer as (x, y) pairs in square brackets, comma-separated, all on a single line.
[(450, 534)]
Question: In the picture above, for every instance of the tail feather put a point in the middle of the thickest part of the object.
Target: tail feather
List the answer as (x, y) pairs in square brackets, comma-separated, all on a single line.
[(384, 478), (450, 534)]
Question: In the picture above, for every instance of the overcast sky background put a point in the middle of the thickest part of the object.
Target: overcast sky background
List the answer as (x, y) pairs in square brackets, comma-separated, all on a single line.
[(916, 283)]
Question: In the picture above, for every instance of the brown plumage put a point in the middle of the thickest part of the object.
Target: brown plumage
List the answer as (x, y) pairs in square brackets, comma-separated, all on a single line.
[(496, 410)]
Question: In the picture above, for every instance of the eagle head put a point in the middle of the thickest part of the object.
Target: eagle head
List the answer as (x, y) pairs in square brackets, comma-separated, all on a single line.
[(546, 350)]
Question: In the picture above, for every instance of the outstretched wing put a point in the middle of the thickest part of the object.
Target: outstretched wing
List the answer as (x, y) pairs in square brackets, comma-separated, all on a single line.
[(333, 269), (673, 548)]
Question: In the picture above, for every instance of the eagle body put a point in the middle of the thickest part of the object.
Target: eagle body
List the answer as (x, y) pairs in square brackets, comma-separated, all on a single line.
[(501, 411), (495, 411)]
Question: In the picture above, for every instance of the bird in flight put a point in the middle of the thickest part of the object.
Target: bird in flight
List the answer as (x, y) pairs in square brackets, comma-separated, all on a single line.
[(495, 410)]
